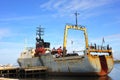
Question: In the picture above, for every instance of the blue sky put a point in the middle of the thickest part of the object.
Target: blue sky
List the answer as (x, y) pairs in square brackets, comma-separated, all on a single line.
[(19, 19)]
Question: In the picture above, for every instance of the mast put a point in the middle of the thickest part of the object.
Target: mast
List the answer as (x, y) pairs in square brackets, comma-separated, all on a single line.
[(76, 15), (39, 34), (75, 27), (41, 45)]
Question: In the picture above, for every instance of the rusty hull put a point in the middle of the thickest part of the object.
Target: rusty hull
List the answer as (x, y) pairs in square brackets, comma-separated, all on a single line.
[(103, 64), (87, 64), (83, 65)]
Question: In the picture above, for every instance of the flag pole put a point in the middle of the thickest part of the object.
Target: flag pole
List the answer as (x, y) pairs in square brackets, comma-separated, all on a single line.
[(103, 41)]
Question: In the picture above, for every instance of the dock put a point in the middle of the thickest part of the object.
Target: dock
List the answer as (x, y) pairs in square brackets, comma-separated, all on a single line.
[(18, 72), (117, 61)]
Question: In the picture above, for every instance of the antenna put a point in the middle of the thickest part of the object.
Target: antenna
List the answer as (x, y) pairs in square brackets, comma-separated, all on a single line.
[(103, 41), (40, 32), (76, 15), (25, 44)]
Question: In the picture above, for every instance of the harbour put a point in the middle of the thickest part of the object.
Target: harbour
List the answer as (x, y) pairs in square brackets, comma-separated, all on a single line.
[(40, 61), (17, 72), (33, 72), (39, 40), (114, 75)]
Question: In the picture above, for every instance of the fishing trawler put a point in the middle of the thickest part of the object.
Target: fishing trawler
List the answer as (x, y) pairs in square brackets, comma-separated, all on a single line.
[(96, 60)]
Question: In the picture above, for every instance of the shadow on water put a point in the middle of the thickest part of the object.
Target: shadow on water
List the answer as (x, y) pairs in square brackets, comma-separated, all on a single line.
[(67, 78), (80, 78), (114, 75)]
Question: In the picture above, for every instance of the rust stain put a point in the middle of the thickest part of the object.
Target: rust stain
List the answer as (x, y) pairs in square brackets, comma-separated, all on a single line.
[(104, 63), (104, 66)]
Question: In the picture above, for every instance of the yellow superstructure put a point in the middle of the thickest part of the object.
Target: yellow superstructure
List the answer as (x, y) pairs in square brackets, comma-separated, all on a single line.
[(75, 27)]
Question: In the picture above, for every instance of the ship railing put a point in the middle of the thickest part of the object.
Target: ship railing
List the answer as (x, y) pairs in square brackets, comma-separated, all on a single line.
[(79, 52), (69, 24), (98, 47), (99, 53)]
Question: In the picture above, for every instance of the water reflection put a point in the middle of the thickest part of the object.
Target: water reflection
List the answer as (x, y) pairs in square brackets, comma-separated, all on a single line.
[(114, 75), (68, 78)]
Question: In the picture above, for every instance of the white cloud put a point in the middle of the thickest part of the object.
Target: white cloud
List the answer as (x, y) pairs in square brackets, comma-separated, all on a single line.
[(114, 37), (65, 6), (108, 39), (4, 32), (10, 51), (19, 18)]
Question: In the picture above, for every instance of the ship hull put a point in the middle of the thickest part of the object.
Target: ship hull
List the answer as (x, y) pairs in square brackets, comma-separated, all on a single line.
[(72, 65)]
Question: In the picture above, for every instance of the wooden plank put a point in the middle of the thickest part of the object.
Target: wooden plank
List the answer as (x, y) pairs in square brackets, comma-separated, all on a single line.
[(34, 68), (8, 68)]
